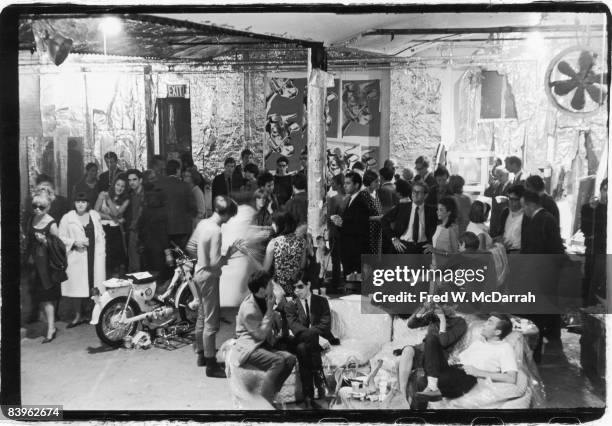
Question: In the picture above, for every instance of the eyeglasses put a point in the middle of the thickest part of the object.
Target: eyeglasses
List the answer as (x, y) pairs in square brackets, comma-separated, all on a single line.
[(38, 207), (282, 164), (299, 286)]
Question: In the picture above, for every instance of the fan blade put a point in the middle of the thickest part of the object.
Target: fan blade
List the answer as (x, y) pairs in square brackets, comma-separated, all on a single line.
[(595, 93), (563, 87), (597, 78), (585, 62), (566, 69), (578, 99)]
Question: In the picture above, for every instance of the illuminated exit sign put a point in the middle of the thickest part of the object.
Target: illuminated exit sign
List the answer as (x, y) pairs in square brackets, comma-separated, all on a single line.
[(177, 90)]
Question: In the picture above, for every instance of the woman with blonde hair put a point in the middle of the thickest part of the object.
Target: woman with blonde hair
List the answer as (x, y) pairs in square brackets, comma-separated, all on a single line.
[(81, 231), (46, 285)]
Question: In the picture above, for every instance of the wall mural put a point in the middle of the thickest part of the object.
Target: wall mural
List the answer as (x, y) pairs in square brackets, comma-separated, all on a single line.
[(287, 118), (361, 108)]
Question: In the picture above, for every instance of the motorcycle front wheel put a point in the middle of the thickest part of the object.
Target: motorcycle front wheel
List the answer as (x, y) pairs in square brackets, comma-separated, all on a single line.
[(185, 311), (108, 329)]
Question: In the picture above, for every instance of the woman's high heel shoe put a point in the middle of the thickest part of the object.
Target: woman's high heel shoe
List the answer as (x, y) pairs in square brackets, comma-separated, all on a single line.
[(47, 339)]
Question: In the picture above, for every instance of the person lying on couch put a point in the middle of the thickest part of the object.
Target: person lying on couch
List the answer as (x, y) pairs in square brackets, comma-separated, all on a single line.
[(491, 358), (309, 319), (444, 324), (257, 328)]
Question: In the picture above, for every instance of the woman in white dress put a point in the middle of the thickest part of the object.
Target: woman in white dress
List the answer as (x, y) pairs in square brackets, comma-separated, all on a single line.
[(81, 230), (479, 213), (445, 240)]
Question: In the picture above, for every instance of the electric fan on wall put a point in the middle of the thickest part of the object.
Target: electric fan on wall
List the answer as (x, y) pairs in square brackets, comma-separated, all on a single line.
[(576, 81)]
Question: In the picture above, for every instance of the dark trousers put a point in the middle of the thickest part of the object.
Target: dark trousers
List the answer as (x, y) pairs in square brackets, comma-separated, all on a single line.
[(308, 353), (277, 365), (411, 248), (335, 258), (452, 381)]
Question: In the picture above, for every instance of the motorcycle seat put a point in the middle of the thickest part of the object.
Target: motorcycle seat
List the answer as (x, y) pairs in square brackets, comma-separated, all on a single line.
[(152, 277)]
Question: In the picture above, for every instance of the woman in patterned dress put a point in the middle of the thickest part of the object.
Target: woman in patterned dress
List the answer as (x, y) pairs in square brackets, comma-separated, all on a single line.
[(286, 253), (371, 183)]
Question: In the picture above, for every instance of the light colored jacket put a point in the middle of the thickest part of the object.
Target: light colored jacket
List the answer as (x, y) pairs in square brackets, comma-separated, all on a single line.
[(71, 230), (254, 328)]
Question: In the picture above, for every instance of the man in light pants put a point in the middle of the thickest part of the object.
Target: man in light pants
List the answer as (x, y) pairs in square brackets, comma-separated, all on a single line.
[(206, 242)]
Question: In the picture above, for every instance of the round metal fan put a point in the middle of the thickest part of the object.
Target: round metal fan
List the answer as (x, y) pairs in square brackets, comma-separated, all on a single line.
[(576, 81)]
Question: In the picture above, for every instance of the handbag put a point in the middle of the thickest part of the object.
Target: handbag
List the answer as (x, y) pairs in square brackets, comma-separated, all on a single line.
[(342, 377)]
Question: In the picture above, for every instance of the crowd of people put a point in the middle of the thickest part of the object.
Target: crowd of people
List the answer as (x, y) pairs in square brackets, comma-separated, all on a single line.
[(124, 220)]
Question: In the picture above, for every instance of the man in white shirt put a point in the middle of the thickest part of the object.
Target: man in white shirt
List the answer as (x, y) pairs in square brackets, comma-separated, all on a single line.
[(491, 358), (511, 221), (206, 242)]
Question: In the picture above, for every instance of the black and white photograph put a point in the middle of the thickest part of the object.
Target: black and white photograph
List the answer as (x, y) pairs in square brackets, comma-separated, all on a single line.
[(196, 188)]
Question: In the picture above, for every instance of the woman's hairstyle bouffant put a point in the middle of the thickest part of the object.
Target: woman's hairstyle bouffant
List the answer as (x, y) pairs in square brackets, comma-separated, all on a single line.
[(451, 206)]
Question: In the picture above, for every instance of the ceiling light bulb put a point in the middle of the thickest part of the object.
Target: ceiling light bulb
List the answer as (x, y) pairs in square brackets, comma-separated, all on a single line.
[(110, 26)]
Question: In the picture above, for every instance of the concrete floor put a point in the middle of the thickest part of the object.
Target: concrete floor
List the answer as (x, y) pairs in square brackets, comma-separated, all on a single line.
[(76, 371)]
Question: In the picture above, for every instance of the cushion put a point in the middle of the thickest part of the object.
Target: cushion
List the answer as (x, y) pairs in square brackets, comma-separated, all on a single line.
[(348, 322), (487, 394), (360, 350)]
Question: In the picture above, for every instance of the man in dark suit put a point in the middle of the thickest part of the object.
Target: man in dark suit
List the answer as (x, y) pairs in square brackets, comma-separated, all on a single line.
[(106, 179), (222, 184), (542, 236), (440, 188), (298, 203), (238, 176), (411, 224), (386, 193), (335, 207), (354, 224), (180, 203), (309, 319), (536, 184)]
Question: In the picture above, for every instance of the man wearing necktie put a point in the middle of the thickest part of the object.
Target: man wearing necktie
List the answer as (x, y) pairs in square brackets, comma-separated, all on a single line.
[(222, 183), (309, 319), (411, 224)]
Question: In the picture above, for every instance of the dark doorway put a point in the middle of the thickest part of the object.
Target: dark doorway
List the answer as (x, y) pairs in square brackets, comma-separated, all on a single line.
[(174, 127), (75, 164)]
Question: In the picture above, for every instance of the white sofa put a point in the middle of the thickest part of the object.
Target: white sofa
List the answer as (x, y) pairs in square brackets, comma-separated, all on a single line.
[(367, 337)]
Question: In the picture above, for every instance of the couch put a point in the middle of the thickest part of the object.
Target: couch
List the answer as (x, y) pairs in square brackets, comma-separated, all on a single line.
[(368, 337)]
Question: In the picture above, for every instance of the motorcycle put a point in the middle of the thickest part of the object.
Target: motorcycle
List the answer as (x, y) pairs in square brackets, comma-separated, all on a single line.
[(122, 306)]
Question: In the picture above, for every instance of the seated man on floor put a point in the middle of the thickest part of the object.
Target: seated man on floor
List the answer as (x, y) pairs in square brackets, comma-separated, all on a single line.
[(258, 328), (443, 323), (491, 358), (309, 319)]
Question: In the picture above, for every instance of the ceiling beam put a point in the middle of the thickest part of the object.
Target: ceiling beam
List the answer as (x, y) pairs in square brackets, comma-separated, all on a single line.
[(482, 30)]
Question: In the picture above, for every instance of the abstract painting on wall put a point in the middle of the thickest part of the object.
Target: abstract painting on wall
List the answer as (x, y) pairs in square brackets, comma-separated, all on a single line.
[(361, 108)]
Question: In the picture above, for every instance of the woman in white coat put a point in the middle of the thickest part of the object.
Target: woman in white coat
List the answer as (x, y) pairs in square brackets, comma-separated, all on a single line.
[(81, 230)]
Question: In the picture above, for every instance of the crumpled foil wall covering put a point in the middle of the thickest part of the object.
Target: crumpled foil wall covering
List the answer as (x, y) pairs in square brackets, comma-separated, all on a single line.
[(415, 119)]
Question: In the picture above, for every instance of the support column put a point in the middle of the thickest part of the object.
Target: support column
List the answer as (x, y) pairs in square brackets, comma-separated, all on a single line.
[(318, 81), (149, 114)]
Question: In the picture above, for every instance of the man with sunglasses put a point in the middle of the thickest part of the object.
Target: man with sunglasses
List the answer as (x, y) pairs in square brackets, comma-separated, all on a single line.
[(309, 319)]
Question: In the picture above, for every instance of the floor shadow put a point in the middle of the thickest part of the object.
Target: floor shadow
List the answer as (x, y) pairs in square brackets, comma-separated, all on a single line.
[(100, 349)]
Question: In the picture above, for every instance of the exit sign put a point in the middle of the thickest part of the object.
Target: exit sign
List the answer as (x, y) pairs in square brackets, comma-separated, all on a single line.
[(177, 90)]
